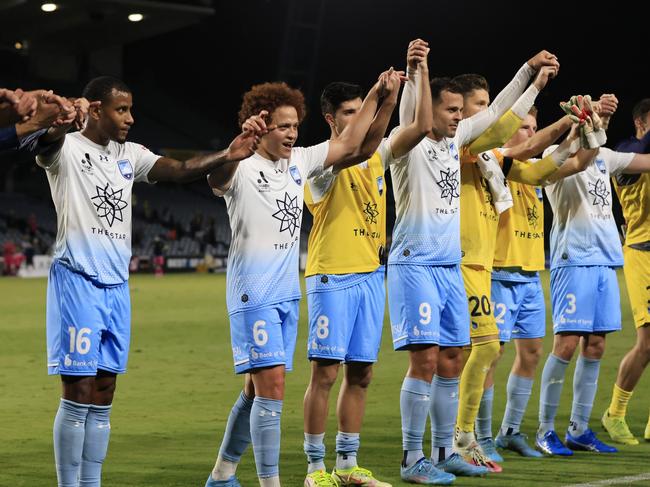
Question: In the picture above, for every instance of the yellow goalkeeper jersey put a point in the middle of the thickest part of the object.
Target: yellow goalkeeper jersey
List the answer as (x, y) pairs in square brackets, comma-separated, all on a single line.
[(478, 217)]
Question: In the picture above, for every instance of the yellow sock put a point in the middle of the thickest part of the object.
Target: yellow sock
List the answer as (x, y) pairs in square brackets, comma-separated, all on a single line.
[(472, 380), (620, 398)]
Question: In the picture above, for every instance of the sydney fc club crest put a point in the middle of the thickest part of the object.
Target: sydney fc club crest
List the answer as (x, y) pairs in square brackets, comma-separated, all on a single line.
[(126, 169), (295, 174)]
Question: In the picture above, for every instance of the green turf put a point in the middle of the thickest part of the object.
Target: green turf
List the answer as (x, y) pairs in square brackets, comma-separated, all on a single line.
[(171, 407)]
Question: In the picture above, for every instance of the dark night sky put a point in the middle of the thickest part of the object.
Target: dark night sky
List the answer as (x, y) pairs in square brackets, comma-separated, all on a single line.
[(210, 65)]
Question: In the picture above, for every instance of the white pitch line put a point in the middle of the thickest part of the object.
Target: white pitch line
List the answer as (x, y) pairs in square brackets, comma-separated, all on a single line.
[(614, 481)]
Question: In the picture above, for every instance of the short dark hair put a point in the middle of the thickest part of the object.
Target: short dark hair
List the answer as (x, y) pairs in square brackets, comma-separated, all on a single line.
[(336, 93), (100, 88), (641, 109), (470, 82), (438, 85)]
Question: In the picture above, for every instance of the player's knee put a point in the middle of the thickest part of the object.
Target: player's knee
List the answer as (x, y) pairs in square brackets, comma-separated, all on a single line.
[(499, 355), (565, 349), (78, 389), (359, 375), (450, 361), (269, 383), (324, 375), (593, 346), (103, 396), (423, 361), (486, 352), (532, 356), (643, 348), (424, 367)]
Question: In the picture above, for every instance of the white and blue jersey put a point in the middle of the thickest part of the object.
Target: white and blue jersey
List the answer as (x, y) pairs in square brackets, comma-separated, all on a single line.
[(265, 204), (91, 189), (426, 295), (584, 231), (88, 305), (426, 184)]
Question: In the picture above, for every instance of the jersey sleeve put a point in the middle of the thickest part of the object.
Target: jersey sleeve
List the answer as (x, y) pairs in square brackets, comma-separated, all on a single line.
[(530, 173), (616, 161), (144, 160), (497, 135), (385, 153), (52, 161), (321, 184), (311, 159)]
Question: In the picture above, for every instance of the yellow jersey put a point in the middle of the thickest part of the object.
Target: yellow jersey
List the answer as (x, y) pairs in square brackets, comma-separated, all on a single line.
[(478, 217), (349, 209), (521, 230), (633, 192)]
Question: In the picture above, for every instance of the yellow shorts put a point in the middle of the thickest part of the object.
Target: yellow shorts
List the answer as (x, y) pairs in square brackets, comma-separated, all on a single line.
[(637, 278), (478, 286)]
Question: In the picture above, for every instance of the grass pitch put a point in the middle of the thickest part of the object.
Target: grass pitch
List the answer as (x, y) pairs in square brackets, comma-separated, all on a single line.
[(171, 407)]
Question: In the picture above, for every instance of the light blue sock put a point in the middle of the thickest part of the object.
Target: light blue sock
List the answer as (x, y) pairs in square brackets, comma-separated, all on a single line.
[(98, 431), (265, 432), (484, 416), (443, 411), (69, 433), (551, 390), (585, 384), (237, 436), (519, 390), (347, 446), (414, 401), (315, 451)]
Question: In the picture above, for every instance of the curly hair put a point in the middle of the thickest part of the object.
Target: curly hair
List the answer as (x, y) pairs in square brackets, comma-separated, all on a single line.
[(269, 96)]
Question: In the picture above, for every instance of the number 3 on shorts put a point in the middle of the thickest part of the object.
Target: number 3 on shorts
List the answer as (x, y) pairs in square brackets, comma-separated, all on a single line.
[(571, 303)]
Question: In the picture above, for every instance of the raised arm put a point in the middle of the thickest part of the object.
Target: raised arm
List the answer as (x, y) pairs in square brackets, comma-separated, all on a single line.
[(346, 149), (557, 164), (513, 95), (501, 131), (220, 166), (15, 106), (379, 124), (407, 137), (53, 111), (416, 53), (540, 140), (640, 163)]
